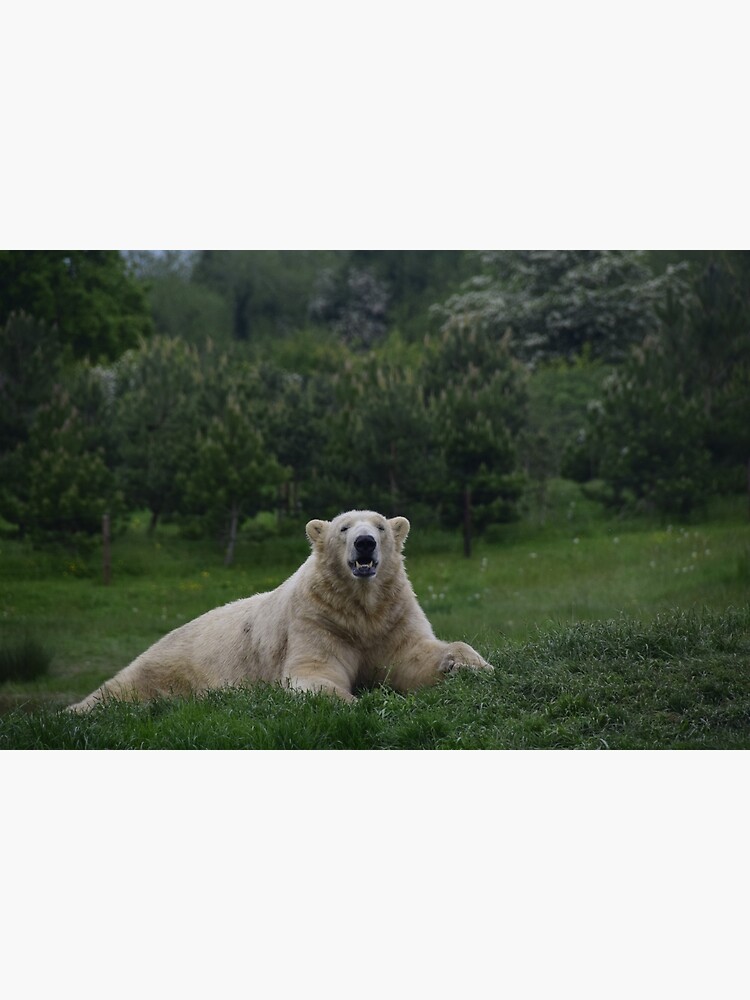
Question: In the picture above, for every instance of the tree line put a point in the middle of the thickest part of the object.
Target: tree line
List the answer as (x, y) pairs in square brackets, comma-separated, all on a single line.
[(209, 387)]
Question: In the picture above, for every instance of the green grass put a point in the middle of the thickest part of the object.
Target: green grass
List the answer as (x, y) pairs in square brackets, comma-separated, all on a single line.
[(578, 583), (560, 577), (680, 682)]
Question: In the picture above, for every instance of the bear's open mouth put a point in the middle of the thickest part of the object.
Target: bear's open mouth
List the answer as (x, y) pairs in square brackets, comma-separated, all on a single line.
[(361, 567)]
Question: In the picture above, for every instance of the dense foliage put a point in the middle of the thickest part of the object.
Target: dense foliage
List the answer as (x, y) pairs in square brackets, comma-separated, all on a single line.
[(98, 309), (673, 424), (448, 385)]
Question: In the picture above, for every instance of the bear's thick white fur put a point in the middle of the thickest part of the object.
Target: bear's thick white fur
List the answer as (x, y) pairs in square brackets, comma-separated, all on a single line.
[(347, 619)]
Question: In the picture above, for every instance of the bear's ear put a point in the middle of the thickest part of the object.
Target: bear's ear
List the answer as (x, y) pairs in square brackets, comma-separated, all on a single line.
[(316, 531), (400, 528)]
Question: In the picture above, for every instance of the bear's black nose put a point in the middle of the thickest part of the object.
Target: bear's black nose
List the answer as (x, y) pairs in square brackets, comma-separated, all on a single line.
[(365, 545)]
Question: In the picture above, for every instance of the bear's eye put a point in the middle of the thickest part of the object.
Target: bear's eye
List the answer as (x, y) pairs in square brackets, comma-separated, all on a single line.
[(381, 527), (345, 528)]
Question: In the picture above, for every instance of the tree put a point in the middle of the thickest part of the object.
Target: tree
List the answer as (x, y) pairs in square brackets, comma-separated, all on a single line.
[(729, 429), (97, 307), (414, 279), (31, 360), (674, 420), (706, 335), (233, 474), (56, 454), (267, 292), (354, 302), (156, 417), (60, 478), (181, 307), (559, 303), (295, 425), (477, 396), (479, 456), (648, 437), (383, 442), (559, 394)]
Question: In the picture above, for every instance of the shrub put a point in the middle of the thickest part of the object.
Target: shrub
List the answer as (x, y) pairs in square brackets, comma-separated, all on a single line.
[(23, 660)]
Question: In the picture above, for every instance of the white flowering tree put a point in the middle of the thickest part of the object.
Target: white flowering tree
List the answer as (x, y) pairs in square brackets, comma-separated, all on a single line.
[(562, 303)]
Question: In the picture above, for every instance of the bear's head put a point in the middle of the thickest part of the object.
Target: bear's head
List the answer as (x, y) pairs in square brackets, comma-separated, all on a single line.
[(359, 543)]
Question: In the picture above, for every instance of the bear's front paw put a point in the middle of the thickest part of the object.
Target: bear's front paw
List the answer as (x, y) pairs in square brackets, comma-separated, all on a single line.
[(460, 656)]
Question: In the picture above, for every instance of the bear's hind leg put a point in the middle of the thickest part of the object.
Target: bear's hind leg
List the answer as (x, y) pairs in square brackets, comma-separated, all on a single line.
[(147, 677), (109, 691)]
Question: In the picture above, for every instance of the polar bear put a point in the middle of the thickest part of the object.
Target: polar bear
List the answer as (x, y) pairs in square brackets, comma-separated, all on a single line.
[(347, 619)]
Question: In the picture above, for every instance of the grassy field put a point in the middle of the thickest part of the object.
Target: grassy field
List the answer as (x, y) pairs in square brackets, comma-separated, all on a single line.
[(604, 634)]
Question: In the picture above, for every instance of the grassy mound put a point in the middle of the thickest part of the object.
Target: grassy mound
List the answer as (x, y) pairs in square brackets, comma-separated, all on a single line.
[(678, 681)]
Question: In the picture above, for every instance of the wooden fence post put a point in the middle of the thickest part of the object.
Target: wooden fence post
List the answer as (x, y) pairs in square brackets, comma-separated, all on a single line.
[(106, 550)]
